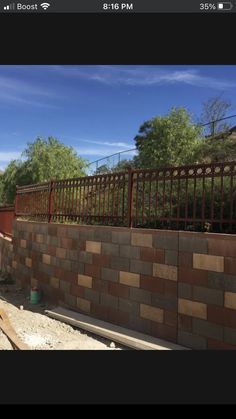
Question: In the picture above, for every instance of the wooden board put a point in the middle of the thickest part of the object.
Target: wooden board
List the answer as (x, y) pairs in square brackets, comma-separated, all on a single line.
[(126, 337), (7, 328)]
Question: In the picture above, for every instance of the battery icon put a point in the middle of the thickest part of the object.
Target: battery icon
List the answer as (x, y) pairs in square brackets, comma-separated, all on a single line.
[(227, 5)]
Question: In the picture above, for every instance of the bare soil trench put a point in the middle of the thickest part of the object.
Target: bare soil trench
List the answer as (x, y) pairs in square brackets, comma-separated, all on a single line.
[(41, 332)]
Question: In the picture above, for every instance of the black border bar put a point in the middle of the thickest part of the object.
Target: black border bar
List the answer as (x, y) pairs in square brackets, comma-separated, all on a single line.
[(117, 6)]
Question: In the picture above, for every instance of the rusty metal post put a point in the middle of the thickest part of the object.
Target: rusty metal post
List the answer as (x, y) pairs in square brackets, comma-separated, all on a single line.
[(50, 206), (130, 197)]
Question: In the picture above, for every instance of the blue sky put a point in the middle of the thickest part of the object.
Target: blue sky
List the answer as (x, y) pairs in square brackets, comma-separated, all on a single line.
[(99, 109)]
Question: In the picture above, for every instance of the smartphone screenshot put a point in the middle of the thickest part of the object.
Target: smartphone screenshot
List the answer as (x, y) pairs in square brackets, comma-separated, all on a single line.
[(118, 199)]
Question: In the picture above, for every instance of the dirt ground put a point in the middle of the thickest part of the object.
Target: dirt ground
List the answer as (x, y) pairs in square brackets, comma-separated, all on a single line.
[(39, 331)]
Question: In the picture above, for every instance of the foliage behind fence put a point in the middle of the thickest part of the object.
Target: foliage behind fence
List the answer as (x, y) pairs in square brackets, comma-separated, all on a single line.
[(199, 197)]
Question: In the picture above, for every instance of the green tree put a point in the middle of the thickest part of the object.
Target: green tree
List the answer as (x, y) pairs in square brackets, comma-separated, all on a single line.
[(167, 141), (41, 161)]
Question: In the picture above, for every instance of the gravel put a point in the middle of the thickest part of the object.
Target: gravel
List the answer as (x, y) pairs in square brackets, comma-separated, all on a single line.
[(41, 332)]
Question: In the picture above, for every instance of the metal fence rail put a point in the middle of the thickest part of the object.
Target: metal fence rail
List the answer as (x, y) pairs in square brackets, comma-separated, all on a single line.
[(6, 219), (198, 197)]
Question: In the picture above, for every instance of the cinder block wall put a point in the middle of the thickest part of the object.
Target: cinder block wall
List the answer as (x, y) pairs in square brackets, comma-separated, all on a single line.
[(179, 286), (207, 290), (6, 254), (127, 277)]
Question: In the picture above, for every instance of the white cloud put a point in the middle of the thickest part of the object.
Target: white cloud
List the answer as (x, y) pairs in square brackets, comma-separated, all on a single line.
[(108, 143), (16, 91), (143, 76)]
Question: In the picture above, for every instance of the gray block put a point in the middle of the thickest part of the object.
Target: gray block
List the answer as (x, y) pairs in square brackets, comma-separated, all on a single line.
[(130, 252), (85, 257), (171, 257), (208, 296), (164, 302), (109, 300), (72, 254), (65, 264), (140, 295), (138, 266), (77, 267), (121, 264), (64, 286), (230, 335), (47, 269), (91, 295), (102, 235), (121, 237), (163, 241), (184, 290), (222, 281), (207, 329), (139, 324), (73, 233), (109, 275), (70, 300), (192, 244), (129, 306), (86, 235), (191, 341), (110, 249)]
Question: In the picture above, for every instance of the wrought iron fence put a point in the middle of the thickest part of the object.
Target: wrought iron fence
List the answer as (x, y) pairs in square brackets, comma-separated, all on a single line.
[(199, 197)]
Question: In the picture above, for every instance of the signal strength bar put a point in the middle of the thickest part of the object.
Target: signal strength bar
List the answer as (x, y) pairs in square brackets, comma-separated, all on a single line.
[(9, 7)]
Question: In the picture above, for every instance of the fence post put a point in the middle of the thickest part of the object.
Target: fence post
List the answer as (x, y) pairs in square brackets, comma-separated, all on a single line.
[(16, 202), (130, 197), (51, 184)]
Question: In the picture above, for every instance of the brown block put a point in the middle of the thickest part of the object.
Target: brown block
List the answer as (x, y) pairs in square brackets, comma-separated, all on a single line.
[(208, 262), (151, 313), (54, 282), (170, 287), (152, 255), (93, 271), (151, 283), (164, 331), (46, 259), (118, 290), (230, 265), (222, 315), (76, 290), (99, 311), (52, 250), (165, 271), (184, 323), (192, 308), (193, 276), (222, 247), (170, 318), (118, 317), (185, 260), (93, 247), (217, 344), (139, 239), (230, 300), (101, 260), (67, 243), (85, 281), (130, 279), (83, 305)]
